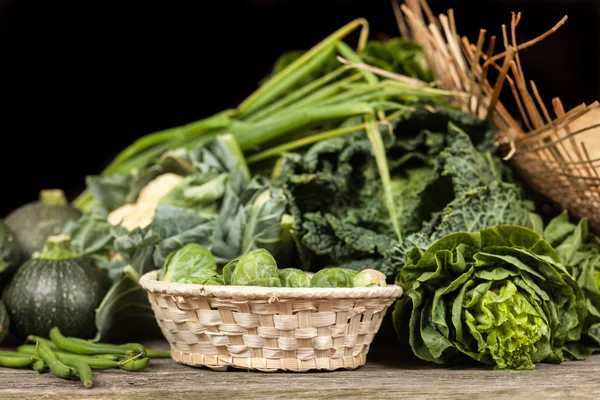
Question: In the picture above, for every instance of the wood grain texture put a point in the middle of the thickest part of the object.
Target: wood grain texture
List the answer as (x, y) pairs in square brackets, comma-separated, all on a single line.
[(386, 375)]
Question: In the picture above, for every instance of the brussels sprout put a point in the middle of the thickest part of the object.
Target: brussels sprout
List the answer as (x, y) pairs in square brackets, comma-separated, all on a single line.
[(228, 270), (350, 272), (293, 277), (213, 280), (192, 263), (368, 278), (256, 268), (333, 277)]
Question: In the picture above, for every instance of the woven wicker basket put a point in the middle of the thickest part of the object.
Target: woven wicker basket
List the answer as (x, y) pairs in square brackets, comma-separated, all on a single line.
[(268, 329), (556, 151)]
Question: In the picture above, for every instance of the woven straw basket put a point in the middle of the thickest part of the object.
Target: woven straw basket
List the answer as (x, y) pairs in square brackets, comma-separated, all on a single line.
[(556, 151), (268, 329)]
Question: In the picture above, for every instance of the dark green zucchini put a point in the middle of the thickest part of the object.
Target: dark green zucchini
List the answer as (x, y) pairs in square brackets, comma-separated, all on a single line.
[(4, 322), (58, 288), (34, 222), (10, 251)]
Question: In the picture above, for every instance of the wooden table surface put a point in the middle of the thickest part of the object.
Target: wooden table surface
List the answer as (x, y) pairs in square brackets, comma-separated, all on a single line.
[(387, 375)]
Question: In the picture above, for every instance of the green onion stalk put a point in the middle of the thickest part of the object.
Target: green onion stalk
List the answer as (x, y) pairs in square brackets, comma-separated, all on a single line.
[(267, 123)]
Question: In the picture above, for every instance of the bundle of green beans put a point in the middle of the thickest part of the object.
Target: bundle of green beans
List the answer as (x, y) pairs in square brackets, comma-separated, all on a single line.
[(69, 358), (284, 114)]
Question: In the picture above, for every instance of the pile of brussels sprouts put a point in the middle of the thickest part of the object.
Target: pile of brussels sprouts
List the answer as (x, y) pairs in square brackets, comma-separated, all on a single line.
[(195, 264)]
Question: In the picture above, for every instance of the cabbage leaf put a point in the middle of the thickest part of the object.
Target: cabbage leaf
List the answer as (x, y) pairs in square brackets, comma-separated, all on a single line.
[(579, 250), (499, 296)]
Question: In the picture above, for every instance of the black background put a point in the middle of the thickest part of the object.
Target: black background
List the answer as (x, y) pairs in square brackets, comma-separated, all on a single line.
[(83, 79)]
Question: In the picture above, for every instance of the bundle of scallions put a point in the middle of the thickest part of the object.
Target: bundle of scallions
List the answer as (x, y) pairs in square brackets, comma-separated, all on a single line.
[(286, 113)]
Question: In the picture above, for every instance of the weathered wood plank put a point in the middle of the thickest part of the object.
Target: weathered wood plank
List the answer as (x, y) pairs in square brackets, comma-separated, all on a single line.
[(389, 375)]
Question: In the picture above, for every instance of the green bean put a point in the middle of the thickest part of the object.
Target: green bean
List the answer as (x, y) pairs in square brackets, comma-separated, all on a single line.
[(11, 354), (91, 361), (135, 365), (113, 357), (129, 348), (157, 354), (49, 343), (56, 366), (80, 346), (16, 362), (26, 349), (79, 340), (101, 361), (39, 365), (83, 370)]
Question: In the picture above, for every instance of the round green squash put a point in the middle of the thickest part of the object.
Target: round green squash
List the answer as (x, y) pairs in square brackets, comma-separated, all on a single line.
[(10, 251), (4, 322), (34, 222), (57, 288)]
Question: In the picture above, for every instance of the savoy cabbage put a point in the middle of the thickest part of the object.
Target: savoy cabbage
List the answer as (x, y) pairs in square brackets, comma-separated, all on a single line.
[(444, 178)]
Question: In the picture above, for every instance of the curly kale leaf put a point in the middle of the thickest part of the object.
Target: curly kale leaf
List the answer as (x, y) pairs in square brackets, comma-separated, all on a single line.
[(484, 207), (436, 118), (341, 240), (441, 183), (477, 209), (467, 167)]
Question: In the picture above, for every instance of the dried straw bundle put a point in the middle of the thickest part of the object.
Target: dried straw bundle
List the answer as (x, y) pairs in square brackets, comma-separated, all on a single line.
[(558, 155)]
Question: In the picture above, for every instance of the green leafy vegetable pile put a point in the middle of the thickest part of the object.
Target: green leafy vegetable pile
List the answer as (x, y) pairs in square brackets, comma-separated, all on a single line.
[(444, 179), (500, 296), (358, 178), (387, 161), (193, 184), (579, 251), (215, 203)]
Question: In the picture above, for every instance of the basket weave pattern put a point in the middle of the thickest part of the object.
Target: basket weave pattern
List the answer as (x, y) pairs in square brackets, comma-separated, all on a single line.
[(255, 329)]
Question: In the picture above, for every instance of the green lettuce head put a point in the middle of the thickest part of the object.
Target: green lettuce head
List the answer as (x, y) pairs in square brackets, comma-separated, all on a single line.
[(500, 296)]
